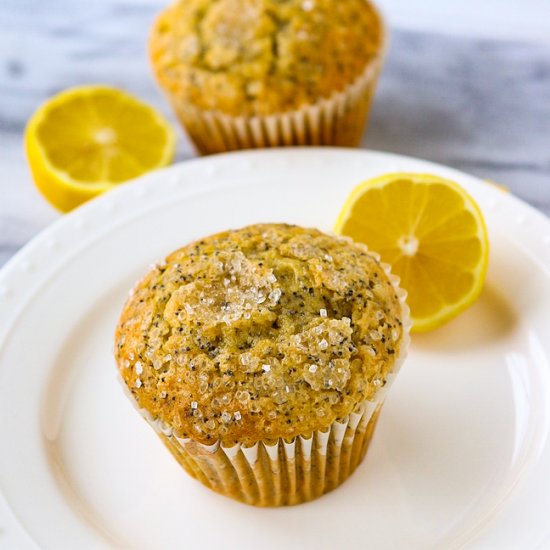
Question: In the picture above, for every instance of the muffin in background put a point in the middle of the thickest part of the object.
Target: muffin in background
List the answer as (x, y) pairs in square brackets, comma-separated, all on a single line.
[(262, 356), (259, 73)]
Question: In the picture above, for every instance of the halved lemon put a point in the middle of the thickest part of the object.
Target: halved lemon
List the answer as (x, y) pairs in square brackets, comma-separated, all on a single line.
[(431, 232), (86, 140)]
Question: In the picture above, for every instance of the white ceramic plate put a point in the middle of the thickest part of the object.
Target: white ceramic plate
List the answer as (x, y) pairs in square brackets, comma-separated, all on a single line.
[(461, 456)]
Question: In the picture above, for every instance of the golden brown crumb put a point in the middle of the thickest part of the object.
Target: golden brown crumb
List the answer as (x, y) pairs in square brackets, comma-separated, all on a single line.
[(265, 332), (246, 57)]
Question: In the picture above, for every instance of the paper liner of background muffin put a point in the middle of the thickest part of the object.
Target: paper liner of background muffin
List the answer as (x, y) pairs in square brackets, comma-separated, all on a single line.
[(285, 472), (338, 120)]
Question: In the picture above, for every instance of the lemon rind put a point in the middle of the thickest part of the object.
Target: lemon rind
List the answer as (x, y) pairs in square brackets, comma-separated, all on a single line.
[(425, 324), (42, 167)]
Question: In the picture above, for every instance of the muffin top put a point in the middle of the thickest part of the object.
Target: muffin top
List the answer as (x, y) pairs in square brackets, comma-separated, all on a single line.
[(264, 332), (258, 57)]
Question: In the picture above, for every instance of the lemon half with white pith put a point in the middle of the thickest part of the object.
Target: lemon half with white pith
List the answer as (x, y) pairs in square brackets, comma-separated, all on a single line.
[(431, 232), (89, 139)]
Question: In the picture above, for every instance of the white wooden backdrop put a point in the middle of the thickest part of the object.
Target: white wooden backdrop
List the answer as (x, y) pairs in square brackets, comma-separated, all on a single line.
[(467, 83)]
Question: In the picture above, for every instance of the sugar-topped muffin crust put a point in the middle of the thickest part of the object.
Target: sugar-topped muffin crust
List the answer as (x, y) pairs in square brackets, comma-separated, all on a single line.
[(264, 332), (258, 57)]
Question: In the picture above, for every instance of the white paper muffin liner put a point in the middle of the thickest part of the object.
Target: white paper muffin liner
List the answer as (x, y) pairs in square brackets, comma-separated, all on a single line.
[(285, 472), (338, 120)]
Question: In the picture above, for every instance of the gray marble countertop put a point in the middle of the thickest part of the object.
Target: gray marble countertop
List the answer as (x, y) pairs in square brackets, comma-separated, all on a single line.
[(481, 105)]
